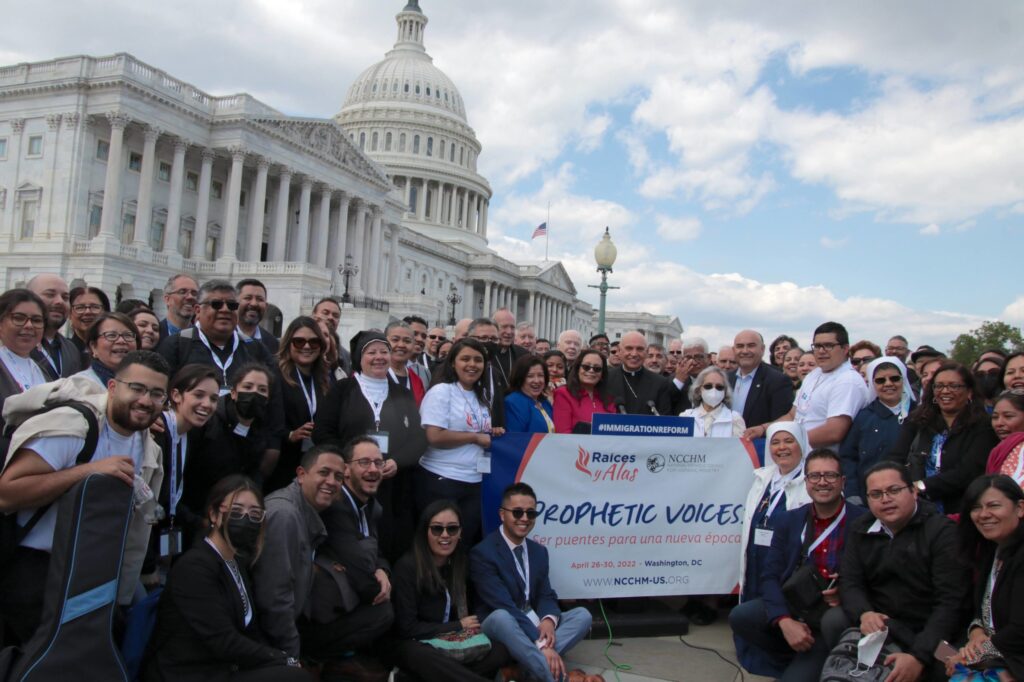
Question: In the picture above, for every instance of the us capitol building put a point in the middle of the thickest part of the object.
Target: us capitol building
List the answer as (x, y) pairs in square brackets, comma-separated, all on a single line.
[(115, 173)]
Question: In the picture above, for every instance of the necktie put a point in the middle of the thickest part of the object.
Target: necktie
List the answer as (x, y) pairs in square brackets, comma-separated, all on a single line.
[(518, 553)]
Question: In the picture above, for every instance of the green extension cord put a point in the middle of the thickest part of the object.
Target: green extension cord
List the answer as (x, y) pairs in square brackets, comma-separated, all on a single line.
[(616, 667)]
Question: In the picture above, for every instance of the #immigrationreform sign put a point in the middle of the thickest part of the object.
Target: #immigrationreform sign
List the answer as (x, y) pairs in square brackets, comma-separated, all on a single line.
[(627, 516)]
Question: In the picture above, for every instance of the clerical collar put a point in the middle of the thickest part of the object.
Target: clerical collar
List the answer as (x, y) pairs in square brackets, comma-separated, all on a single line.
[(633, 372)]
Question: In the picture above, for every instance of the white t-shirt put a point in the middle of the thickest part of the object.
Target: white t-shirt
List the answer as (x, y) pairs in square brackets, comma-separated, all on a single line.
[(451, 407), (841, 392), (61, 452)]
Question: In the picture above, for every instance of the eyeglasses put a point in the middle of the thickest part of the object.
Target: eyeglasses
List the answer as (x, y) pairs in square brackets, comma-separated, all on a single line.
[(591, 368), (881, 381), (21, 319), (192, 293), (86, 308), (453, 529), (675, 352), (828, 347), (255, 514), (114, 336), (949, 387), (486, 339), (698, 356), (817, 476), (717, 387), (517, 514), (857, 362), (888, 492), (218, 304), (366, 463), (434, 337), (157, 394), (298, 343)]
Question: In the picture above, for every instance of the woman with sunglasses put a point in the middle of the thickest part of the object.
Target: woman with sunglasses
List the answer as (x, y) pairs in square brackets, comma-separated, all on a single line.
[(111, 337), (304, 381), (862, 354), (713, 416), (527, 409), (1008, 423), (946, 441), (22, 322), (876, 427), (370, 403), (430, 599), (206, 625), (584, 393)]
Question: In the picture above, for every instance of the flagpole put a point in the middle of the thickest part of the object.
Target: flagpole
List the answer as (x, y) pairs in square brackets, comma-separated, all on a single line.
[(547, 233)]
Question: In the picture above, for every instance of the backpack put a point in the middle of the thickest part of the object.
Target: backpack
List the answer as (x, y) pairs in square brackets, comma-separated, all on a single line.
[(841, 664), (11, 534)]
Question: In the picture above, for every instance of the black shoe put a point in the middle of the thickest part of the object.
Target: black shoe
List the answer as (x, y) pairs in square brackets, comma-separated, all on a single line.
[(700, 613)]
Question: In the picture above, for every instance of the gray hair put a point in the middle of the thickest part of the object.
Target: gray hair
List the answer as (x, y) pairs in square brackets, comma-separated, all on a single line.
[(397, 324), (699, 381), (216, 285), (696, 341), (523, 326), (169, 287)]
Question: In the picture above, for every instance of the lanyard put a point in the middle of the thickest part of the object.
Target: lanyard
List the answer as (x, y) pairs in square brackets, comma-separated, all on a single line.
[(25, 370), (773, 502), (311, 395), (239, 583), (377, 408), (179, 447), (547, 419), (364, 527), (407, 382), (222, 366), (825, 534), (447, 605)]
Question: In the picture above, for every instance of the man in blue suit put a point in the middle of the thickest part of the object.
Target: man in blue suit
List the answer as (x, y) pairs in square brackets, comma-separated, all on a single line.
[(815, 533), (518, 607)]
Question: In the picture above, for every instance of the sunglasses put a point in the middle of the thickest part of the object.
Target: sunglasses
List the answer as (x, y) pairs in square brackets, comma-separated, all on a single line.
[(219, 304), (857, 362), (300, 343), (881, 381), (717, 387), (591, 368), (452, 529), (519, 513), (434, 337)]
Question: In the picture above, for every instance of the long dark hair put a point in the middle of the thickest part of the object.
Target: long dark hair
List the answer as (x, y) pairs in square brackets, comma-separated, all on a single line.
[(572, 377), (284, 354), (428, 577), (971, 541), (792, 344), (229, 487), (522, 368), (928, 413), (445, 373)]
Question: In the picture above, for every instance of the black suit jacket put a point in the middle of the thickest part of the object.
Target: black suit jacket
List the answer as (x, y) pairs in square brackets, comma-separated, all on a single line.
[(200, 630), (1007, 602), (770, 396), (651, 386), (71, 361)]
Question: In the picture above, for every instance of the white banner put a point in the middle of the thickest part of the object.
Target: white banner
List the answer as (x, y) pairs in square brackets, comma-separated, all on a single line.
[(631, 516)]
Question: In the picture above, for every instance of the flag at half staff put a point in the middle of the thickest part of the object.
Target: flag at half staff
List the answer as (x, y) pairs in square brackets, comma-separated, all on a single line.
[(541, 231)]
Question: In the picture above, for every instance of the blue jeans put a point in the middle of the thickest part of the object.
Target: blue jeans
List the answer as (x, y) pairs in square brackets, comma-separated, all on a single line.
[(501, 626)]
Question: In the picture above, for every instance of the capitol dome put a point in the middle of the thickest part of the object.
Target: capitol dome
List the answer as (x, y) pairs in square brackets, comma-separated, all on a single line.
[(407, 115)]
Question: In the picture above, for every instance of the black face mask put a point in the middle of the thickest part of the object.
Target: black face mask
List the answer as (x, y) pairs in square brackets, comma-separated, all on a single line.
[(251, 405), (988, 384), (243, 534)]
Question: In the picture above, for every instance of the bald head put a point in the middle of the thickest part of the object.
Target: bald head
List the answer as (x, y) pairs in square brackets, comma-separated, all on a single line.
[(632, 350), (749, 348), (54, 291)]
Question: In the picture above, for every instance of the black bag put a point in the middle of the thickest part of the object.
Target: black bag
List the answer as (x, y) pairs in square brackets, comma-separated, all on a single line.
[(74, 638), (11, 534), (802, 590), (841, 664)]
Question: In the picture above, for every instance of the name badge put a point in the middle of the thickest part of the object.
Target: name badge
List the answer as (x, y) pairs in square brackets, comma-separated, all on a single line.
[(534, 618), (763, 537), (170, 543), (483, 464), (382, 441)]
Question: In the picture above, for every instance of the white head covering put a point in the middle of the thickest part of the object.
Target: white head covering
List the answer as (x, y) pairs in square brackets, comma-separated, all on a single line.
[(908, 393), (798, 432)]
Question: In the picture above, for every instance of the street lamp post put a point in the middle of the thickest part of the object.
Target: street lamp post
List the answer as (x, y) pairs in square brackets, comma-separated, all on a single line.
[(604, 254), (347, 270), (454, 298)]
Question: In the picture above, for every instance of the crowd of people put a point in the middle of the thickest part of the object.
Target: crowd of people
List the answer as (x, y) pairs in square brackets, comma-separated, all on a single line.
[(321, 497)]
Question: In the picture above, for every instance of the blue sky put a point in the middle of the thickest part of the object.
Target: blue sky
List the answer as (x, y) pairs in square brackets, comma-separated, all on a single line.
[(763, 165)]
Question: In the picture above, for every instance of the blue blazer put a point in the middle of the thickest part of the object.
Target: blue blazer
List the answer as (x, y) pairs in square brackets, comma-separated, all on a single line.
[(521, 416), (784, 556), (492, 569)]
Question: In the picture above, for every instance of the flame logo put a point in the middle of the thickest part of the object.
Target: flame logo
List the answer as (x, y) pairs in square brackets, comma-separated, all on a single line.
[(582, 460)]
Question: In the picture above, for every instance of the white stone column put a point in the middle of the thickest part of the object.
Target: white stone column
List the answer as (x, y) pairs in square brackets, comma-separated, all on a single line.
[(531, 311), (438, 204), (341, 234), (542, 319), (483, 228), (393, 265), (144, 203), (464, 219), (257, 204), (302, 240), (279, 231), (515, 304), (229, 237), (323, 228), (173, 227), (111, 217), (45, 224), (376, 251), (408, 193), (472, 213), (487, 298), (358, 239), (421, 200), (14, 153), (203, 206)]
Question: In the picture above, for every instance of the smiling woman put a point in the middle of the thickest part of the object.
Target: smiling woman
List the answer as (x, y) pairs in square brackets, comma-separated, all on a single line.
[(111, 337)]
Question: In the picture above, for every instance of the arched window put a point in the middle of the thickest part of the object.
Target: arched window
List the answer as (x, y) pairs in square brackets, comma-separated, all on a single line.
[(394, 87), (407, 87), (430, 146), (417, 88), (387, 142), (373, 142), (428, 91), (401, 142), (362, 141), (416, 144)]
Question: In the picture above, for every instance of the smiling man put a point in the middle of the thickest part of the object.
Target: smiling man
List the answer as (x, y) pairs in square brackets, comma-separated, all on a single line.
[(760, 392), (57, 355), (637, 389), (252, 308), (180, 296), (518, 606)]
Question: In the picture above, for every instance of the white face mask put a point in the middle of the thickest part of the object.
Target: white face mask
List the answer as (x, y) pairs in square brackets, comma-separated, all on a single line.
[(712, 397)]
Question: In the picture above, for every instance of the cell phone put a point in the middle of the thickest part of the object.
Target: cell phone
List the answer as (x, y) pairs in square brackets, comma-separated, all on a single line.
[(945, 651)]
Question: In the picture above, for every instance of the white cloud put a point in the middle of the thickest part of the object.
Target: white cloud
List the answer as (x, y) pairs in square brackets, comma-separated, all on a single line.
[(678, 229), (930, 230), (591, 133), (1014, 313), (829, 243)]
